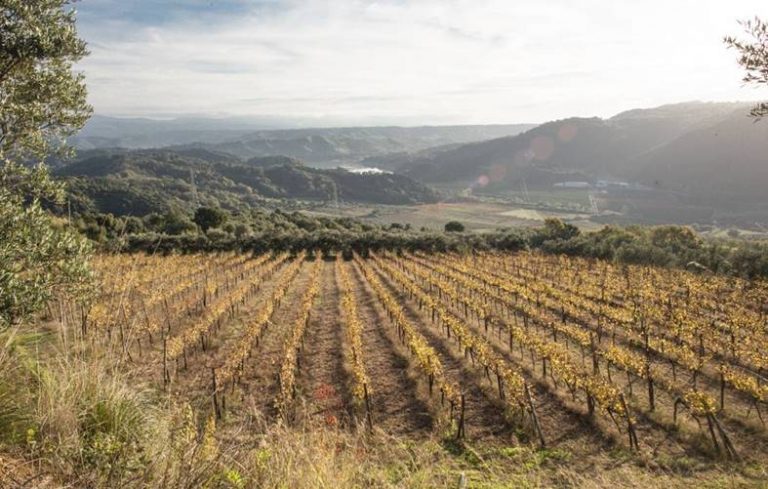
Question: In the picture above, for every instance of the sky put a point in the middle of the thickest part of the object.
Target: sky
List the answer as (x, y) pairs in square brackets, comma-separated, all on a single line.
[(363, 62)]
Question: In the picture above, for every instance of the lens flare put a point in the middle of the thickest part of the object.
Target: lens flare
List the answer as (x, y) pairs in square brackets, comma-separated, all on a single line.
[(567, 132), (542, 147), (497, 173)]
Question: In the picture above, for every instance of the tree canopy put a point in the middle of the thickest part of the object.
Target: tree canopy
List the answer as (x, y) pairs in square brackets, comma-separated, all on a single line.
[(209, 217), (454, 227), (42, 101), (753, 57)]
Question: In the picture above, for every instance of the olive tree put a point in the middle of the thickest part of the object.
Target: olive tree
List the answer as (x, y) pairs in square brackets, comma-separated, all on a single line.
[(42, 102), (753, 57), (209, 217), (454, 227)]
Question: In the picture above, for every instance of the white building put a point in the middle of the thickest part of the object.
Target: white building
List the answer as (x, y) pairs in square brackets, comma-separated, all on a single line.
[(573, 185)]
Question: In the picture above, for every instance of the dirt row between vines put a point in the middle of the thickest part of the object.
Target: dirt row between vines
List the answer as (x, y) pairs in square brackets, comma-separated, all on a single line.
[(562, 424), (194, 383), (323, 379)]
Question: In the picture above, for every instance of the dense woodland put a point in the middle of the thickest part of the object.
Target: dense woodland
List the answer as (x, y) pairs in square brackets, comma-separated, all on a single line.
[(141, 182)]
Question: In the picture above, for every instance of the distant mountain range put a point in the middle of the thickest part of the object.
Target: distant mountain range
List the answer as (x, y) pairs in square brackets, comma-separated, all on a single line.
[(247, 138), (140, 182), (709, 153)]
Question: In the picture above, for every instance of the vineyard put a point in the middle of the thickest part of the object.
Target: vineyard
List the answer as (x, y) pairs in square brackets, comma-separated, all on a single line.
[(519, 348)]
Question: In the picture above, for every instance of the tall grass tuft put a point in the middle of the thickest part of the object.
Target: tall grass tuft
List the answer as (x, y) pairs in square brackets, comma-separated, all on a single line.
[(72, 410)]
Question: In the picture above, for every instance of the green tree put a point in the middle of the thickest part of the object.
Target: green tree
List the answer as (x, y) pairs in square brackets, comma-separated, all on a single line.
[(454, 227), (753, 57), (675, 239), (554, 229), (209, 217), (557, 229), (41, 103), (178, 223), (241, 230), (39, 254)]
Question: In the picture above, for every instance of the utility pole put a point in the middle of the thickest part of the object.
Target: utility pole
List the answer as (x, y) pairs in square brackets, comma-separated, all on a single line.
[(194, 187), (524, 187)]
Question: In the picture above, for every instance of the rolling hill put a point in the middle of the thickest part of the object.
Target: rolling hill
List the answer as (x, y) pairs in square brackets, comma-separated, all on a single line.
[(589, 147), (139, 182), (723, 162), (703, 161)]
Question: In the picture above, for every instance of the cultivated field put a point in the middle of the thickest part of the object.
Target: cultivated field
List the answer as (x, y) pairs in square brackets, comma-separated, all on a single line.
[(594, 363), (476, 216)]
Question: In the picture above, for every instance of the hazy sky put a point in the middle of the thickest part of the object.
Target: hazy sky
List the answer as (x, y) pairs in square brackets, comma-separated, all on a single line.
[(409, 62)]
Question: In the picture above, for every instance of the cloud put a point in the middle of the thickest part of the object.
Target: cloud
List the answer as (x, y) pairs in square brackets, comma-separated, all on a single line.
[(424, 60)]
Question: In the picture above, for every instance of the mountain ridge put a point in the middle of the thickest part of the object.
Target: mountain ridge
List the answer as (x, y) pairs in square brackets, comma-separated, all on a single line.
[(600, 148), (314, 145)]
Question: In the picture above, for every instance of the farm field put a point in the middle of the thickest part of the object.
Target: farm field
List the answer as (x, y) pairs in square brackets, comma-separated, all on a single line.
[(531, 364), (477, 216)]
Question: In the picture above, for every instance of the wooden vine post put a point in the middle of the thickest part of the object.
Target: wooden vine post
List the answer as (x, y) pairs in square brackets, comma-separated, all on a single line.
[(215, 389), (534, 416), (460, 433), (368, 406)]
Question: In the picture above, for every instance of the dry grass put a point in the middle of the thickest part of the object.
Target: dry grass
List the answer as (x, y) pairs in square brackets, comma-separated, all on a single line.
[(70, 417), (322, 458)]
